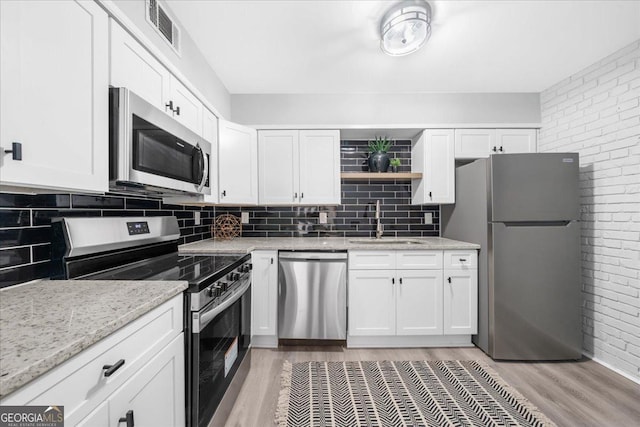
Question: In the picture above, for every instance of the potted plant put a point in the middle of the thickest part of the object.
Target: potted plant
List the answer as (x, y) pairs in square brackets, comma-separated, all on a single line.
[(395, 164), (378, 157)]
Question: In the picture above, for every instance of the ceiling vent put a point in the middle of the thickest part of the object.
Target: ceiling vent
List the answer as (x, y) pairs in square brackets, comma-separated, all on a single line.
[(159, 19)]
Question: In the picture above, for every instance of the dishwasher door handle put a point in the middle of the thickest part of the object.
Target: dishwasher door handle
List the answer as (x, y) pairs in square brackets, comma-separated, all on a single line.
[(312, 256)]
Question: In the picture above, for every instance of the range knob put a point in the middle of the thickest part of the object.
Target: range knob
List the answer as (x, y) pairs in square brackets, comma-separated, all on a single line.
[(223, 286), (213, 291)]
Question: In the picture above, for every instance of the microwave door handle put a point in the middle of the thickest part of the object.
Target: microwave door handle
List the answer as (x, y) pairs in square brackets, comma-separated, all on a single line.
[(205, 170)]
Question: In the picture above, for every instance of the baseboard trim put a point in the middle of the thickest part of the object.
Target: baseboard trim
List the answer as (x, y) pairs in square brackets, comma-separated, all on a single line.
[(611, 367), (409, 341), (264, 341)]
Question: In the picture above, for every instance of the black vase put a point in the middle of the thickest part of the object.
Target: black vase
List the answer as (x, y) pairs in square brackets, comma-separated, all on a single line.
[(378, 162)]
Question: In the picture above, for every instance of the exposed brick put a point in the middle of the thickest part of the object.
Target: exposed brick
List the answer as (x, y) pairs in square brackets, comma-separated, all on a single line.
[(600, 119)]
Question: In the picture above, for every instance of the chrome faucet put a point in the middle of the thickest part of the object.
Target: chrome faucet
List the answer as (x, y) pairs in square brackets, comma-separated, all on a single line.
[(379, 230)]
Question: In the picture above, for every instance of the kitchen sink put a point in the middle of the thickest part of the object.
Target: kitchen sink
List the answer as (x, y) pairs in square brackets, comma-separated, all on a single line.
[(387, 241)]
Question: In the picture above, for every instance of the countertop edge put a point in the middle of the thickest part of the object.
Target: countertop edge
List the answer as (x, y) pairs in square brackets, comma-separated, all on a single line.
[(195, 247), (21, 378)]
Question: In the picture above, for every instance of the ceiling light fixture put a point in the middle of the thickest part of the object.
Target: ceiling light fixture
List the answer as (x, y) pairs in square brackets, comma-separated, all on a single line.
[(405, 27)]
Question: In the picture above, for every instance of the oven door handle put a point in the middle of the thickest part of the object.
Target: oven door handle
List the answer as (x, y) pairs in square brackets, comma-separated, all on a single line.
[(201, 320)]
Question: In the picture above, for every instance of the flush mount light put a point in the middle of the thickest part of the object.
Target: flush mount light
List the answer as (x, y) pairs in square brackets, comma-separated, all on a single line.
[(405, 27)]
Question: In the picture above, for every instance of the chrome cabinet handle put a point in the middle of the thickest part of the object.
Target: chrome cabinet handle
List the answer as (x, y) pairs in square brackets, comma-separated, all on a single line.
[(449, 279), (177, 110), (401, 280), (224, 193), (500, 149), (295, 195), (169, 106), (495, 149), (111, 369), (462, 260)]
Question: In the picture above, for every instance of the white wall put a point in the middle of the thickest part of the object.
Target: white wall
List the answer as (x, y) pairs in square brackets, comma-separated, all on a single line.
[(596, 113), (374, 109), (191, 62)]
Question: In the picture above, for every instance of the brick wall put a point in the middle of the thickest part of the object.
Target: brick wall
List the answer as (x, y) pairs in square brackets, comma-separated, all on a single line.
[(596, 113)]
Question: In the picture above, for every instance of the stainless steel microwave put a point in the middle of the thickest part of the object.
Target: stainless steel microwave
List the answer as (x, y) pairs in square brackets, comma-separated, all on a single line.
[(150, 152)]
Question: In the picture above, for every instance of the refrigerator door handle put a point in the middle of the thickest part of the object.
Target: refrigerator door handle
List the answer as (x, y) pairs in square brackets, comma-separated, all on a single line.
[(536, 223)]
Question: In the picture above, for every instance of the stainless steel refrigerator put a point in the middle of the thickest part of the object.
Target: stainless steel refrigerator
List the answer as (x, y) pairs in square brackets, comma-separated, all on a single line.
[(523, 210)]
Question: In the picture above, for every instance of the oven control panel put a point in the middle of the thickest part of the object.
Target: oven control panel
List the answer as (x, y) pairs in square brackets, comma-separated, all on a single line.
[(138, 227)]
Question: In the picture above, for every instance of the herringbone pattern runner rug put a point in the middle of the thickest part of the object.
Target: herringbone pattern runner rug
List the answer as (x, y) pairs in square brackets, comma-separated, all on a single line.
[(385, 394)]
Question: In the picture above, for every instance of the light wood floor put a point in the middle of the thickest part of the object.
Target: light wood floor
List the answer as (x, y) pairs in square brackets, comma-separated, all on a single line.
[(580, 393)]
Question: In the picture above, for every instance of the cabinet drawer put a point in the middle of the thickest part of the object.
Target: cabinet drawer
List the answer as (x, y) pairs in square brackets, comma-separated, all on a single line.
[(464, 259), (419, 260), (372, 260), (79, 383)]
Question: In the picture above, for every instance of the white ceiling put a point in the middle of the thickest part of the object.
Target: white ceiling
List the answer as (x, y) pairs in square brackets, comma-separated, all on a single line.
[(332, 46)]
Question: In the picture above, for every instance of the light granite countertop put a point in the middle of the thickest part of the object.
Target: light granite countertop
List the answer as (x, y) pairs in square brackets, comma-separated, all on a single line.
[(46, 322), (248, 244)]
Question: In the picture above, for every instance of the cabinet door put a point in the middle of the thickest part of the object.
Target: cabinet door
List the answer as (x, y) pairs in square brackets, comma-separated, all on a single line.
[(320, 167), (187, 109), (460, 302), (264, 295), (237, 164), (474, 143), (99, 417), (210, 133), (516, 140), (278, 167), (133, 67), (433, 156), (371, 302), (419, 302), (54, 81), (155, 393), (419, 260)]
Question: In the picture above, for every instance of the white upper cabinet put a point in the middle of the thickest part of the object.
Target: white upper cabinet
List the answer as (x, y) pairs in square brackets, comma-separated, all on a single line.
[(479, 143), (54, 103), (299, 167), (320, 167), (278, 153), (432, 154), (474, 143), (187, 109), (133, 67), (516, 140), (237, 164)]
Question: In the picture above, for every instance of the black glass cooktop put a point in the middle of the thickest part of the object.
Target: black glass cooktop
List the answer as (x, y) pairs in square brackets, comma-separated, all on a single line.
[(199, 270)]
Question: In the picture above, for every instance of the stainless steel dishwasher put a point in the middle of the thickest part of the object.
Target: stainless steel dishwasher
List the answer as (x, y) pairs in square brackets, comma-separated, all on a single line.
[(312, 295)]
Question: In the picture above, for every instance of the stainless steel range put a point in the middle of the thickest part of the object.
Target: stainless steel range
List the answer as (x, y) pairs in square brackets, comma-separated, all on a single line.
[(217, 302)]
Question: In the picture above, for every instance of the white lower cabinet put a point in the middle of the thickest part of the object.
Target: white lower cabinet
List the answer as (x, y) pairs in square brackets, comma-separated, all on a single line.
[(460, 302), (148, 375), (264, 298), (371, 302), (154, 396), (419, 302), (405, 298)]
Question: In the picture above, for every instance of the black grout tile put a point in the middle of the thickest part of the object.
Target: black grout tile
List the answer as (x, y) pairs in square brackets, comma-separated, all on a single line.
[(24, 236), (8, 200), (15, 256), (15, 218)]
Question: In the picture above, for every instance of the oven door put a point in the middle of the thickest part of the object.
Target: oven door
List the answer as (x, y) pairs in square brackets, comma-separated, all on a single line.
[(151, 150), (220, 338)]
